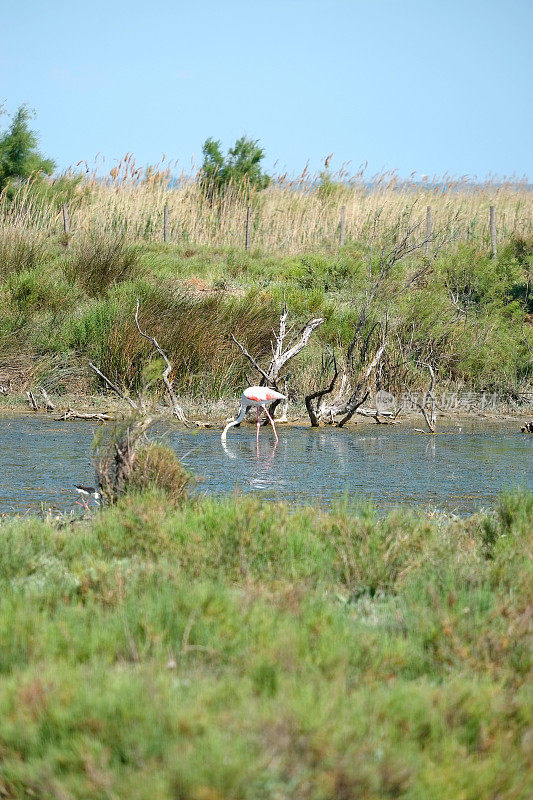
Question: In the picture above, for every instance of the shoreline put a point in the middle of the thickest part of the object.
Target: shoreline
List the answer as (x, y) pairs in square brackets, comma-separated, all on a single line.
[(215, 413)]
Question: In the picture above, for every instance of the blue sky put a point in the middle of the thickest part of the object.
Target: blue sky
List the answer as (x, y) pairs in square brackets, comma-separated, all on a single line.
[(431, 87)]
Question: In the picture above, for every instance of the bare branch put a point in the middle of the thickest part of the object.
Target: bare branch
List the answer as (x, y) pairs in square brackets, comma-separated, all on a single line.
[(113, 386), (281, 336), (279, 356), (319, 395), (352, 408), (430, 417), (251, 359), (303, 339), (176, 408), (32, 402)]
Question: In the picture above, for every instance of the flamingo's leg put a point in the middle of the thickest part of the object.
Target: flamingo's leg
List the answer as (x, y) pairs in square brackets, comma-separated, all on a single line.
[(271, 422), (258, 425)]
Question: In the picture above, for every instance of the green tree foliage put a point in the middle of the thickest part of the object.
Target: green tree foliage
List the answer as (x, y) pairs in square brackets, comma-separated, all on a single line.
[(19, 156), (241, 165)]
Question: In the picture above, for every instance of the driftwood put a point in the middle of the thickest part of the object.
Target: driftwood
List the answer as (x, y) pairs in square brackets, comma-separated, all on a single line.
[(70, 413), (388, 417), (47, 402), (32, 400)]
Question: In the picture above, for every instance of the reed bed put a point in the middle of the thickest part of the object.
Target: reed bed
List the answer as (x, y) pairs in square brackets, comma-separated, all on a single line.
[(290, 216)]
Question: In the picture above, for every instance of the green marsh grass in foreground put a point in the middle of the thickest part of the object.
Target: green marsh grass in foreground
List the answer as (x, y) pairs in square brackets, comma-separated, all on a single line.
[(233, 649)]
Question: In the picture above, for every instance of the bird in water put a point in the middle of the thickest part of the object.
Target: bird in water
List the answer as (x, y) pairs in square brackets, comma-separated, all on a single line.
[(86, 492), (258, 396)]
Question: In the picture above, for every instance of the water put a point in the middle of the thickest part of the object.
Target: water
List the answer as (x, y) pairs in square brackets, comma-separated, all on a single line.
[(460, 470)]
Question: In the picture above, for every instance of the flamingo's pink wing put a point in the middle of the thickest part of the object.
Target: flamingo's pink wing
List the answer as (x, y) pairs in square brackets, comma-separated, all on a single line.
[(262, 394)]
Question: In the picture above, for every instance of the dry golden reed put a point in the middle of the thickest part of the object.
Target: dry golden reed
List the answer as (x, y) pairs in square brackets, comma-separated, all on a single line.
[(290, 216)]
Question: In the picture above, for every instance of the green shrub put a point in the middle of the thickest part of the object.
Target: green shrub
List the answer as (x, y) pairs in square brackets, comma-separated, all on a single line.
[(157, 467), (35, 290), (240, 168)]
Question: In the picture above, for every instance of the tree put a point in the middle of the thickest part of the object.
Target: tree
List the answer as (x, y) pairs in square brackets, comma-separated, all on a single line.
[(19, 156), (241, 165)]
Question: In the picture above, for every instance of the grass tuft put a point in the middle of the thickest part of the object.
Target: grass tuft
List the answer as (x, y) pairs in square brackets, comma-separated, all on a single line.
[(99, 260)]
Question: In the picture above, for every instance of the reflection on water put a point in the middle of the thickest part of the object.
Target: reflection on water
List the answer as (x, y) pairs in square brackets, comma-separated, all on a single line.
[(459, 470)]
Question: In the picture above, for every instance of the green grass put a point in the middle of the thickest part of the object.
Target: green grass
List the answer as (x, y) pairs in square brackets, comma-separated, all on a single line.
[(233, 649)]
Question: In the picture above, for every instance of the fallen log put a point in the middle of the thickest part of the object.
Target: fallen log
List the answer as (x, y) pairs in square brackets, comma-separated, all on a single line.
[(70, 413)]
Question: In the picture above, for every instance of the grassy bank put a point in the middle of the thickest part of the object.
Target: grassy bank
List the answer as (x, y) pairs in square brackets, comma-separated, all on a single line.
[(238, 650), (65, 300), (52, 324)]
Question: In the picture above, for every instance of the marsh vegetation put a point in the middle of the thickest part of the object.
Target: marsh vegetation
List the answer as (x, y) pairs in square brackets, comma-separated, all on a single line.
[(67, 298), (170, 646), (234, 649)]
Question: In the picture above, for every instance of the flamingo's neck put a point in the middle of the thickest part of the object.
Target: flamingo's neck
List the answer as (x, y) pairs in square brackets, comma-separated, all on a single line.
[(236, 421)]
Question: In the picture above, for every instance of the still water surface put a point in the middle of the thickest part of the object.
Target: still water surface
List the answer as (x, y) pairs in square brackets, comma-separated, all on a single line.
[(460, 470)]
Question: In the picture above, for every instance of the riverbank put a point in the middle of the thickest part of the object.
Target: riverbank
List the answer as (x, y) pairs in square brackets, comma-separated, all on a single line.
[(466, 314), (451, 405), (234, 649)]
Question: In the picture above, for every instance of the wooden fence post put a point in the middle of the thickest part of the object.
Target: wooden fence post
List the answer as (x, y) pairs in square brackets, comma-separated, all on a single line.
[(493, 231), (343, 226), (247, 236), (165, 222), (428, 228)]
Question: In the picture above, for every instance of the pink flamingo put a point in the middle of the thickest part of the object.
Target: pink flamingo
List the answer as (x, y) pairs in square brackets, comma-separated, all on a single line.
[(257, 396)]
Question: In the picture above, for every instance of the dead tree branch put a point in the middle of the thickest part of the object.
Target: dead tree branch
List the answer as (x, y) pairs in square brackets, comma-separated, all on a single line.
[(364, 357), (47, 402), (313, 416), (429, 413), (251, 359), (114, 387), (176, 408), (32, 401), (281, 355)]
